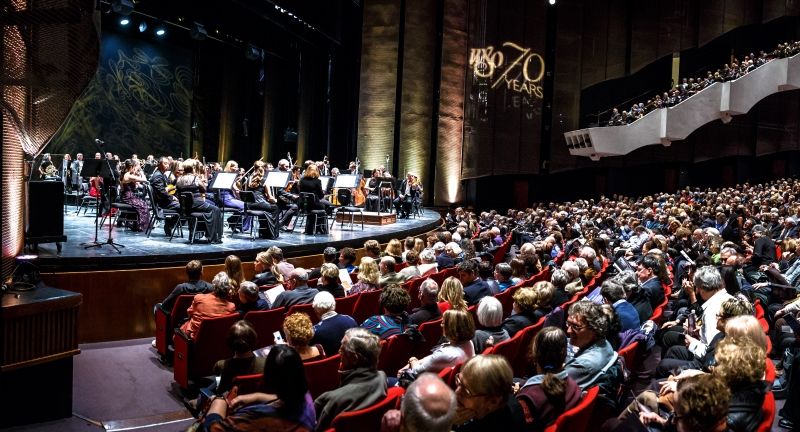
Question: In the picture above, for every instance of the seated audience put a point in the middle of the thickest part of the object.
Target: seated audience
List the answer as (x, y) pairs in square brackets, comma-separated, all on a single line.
[(530, 305), (233, 268), (614, 294), (372, 249), (451, 295), (586, 327), (249, 300), (394, 249), (281, 266), (411, 271), (475, 288), (485, 399), (194, 285), (502, 274), (241, 340), (559, 279), (329, 280), (551, 391), (299, 292), (388, 274), (394, 302), (368, 275), (458, 329), (427, 263), (347, 259), (329, 255), (361, 383), (263, 268), (211, 305), (285, 403), (299, 332), (490, 317), (331, 327), (701, 405), (429, 308)]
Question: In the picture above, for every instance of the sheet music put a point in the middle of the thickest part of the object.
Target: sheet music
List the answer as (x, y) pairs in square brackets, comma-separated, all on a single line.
[(224, 180), (346, 181), (344, 278), (277, 179)]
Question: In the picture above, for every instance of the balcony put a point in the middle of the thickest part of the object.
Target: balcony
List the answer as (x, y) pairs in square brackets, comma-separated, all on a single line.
[(662, 126)]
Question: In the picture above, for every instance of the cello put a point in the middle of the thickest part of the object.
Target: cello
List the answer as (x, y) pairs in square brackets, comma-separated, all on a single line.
[(359, 196)]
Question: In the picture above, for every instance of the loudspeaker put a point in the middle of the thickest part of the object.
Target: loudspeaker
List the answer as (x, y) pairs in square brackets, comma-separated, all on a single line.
[(45, 209)]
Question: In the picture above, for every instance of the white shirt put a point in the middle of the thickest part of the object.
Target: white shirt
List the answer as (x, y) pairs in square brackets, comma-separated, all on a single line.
[(708, 330)]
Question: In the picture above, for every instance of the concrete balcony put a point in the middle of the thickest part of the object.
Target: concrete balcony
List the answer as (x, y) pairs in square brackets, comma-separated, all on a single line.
[(662, 126)]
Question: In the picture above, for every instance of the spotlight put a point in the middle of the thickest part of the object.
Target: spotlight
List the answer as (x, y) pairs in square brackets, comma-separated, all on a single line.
[(122, 7), (142, 27), (124, 21), (198, 31), (552, 2), (160, 31)]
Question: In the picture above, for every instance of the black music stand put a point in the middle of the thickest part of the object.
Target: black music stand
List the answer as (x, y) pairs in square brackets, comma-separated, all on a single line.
[(109, 181)]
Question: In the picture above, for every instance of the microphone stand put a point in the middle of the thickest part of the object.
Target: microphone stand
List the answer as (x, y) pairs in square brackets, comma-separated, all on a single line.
[(113, 177)]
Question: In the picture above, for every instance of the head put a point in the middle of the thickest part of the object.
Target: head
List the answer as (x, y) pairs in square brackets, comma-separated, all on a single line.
[(347, 256), (248, 292), (394, 248), (285, 377), (484, 384), (707, 281), (560, 279), (233, 267), (647, 268), (330, 255), (612, 291), (368, 271), (276, 253), (232, 166), (572, 269), (359, 349), (394, 300), (490, 312), (242, 337), (452, 292), (549, 350), (428, 292), (372, 249), (312, 171), (412, 258), (330, 273), (701, 404), (452, 249), (467, 272), (745, 326), (586, 324), (458, 326), (298, 329), (502, 272), (387, 265), (323, 303), (298, 277), (528, 299), (222, 285), (194, 270), (429, 405), (739, 361)]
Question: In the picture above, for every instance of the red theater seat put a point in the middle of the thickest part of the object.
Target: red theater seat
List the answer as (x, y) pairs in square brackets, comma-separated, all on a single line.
[(576, 419), (322, 375), (266, 323), (368, 419), (196, 358), (166, 321)]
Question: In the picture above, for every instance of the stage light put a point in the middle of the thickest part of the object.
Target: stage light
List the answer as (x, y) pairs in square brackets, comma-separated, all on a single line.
[(124, 21), (552, 2), (142, 27), (198, 31), (160, 31), (122, 7)]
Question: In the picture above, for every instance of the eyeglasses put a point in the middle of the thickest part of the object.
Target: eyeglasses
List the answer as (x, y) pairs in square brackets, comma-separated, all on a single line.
[(575, 326), (467, 392)]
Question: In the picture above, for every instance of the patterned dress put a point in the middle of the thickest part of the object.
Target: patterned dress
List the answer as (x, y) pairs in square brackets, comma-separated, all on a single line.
[(142, 210)]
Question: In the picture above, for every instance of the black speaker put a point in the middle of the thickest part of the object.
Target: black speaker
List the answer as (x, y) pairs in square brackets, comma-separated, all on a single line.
[(45, 209)]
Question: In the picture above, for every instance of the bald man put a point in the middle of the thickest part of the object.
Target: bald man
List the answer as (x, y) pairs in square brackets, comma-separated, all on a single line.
[(429, 405)]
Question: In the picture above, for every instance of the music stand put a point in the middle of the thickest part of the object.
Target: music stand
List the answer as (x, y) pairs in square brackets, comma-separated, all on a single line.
[(277, 179), (348, 181), (223, 180), (326, 181), (109, 181), (148, 169)]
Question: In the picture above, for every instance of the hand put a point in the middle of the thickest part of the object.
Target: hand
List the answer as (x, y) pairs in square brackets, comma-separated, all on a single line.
[(391, 420), (647, 418), (250, 398), (759, 285), (689, 340), (669, 324), (780, 312), (668, 387)]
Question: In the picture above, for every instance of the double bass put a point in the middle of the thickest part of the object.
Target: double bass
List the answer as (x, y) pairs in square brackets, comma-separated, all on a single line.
[(359, 195)]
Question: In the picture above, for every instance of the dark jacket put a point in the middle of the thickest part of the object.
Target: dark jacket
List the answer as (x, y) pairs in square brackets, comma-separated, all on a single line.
[(359, 388), (311, 185), (299, 295), (559, 297), (444, 261), (424, 313), (642, 305), (474, 292), (508, 418), (654, 290), (519, 321), (336, 290), (330, 331), (628, 315), (744, 408), (266, 278), (191, 288)]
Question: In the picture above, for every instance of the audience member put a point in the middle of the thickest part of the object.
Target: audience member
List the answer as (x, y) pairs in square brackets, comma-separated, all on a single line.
[(530, 305), (458, 329), (331, 327), (329, 280), (209, 305), (451, 295), (299, 332), (485, 399), (429, 308), (394, 302), (249, 300), (490, 317), (428, 405), (388, 275), (300, 292), (194, 285), (586, 328), (368, 276)]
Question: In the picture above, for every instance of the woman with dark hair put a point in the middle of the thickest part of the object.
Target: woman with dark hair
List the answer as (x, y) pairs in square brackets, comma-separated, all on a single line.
[(131, 177), (194, 181), (285, 403), (731, 280), (551, 391)]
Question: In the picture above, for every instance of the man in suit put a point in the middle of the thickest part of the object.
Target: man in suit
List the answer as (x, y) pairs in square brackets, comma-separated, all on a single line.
[(77, 166), (443, 260), (158, 182), (614, 294), (647, 272), (300, 293), (474, 287)]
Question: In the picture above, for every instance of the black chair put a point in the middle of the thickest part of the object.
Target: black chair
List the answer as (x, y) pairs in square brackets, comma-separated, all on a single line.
[(345, 198), (126, 211), (249, 198), (157, 214), (316, 220), (191, 218), (238, 215)]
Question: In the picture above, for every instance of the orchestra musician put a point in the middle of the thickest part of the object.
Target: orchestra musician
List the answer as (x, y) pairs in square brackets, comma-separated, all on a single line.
[(77, 167), (230, 198), (410, 189), (374, 196), (131, 177), (312, 184), (159, 182), (191, 181), (264, 201), (286, 200), (352, 168)]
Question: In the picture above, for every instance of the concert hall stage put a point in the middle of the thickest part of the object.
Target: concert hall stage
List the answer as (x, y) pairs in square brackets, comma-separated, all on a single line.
[(158, 251)]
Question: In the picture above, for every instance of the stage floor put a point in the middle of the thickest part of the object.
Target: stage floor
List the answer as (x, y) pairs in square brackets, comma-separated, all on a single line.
[(158, 251)]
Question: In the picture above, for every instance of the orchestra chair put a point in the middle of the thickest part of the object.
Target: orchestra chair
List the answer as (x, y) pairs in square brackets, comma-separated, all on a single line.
[(196, 358), (266, 323), (157, 214), (395, 352), (309, 212), (307, 309), (431, 335), (167, 321), (249, 198), (416, 206), (577, 418), (126, 211), (232, 211), (368, 419), (347, 305), (87, 202), (248, 383), (368, 304), (345, 197), (767, 412), (322, 375), (191, 218)]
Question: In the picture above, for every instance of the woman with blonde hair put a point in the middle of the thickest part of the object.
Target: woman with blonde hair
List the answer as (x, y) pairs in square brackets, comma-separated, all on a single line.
[(746, 326), (394, 249), (484, 395), (299, 331), (530, 305), (233, 268), (368, 275), (451, 295)]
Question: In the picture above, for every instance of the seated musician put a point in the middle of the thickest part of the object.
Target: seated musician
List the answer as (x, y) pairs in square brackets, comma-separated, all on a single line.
[(159, 182), (264, 201), (287, 201), (196, 184), (312, 184), (410, 189), (373, 191), (228, 198)]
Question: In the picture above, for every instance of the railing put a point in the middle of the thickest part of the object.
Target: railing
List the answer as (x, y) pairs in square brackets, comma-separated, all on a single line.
[(665, 125)]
